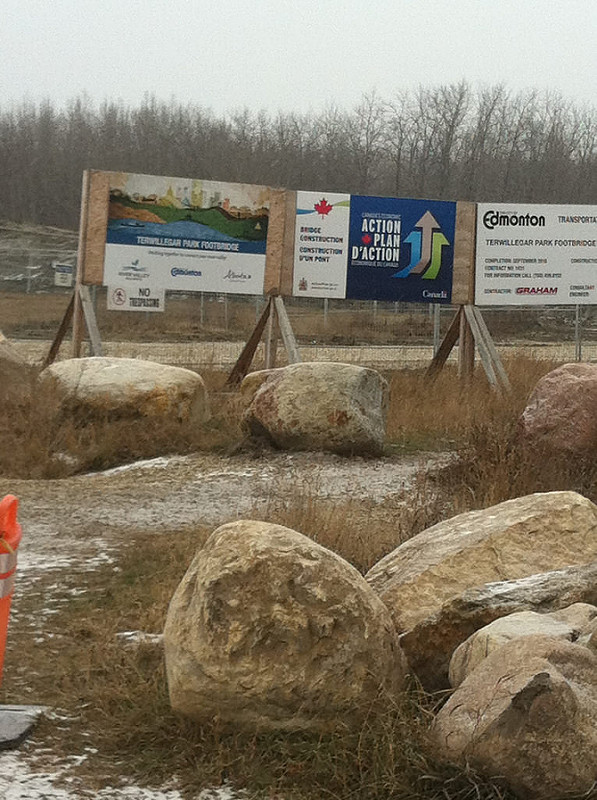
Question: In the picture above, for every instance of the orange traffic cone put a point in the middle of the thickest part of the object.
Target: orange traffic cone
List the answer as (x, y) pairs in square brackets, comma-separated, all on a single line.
[(10, 536)]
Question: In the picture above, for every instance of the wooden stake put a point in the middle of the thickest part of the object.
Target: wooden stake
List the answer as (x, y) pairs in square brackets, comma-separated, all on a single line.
[(486, 360), (66, 320), (500, 372), (271, 339), (466, 349), (240, 369), (78, 309), (90, 320), (445, 348), (294, 357)]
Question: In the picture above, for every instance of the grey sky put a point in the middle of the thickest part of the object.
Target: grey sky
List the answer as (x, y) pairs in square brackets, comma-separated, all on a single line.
[(290, 54)]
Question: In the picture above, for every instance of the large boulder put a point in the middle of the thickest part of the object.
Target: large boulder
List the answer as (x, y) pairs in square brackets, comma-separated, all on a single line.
[(430, 643), (560, 414), (517, 538), (269, 630), (570, 624), (528, 713), (317, 406), (118, 388)]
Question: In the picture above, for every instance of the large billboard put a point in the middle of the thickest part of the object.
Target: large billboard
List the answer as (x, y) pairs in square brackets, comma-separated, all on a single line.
[(186, 234), (373, 248), (536, 254)]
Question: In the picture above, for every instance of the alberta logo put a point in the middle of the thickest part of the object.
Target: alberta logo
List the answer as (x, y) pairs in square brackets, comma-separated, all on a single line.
[(426, 242)]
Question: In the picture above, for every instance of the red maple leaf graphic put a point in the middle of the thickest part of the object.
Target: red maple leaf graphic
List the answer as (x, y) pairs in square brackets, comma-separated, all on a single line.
[(366, 239), (323, 207)]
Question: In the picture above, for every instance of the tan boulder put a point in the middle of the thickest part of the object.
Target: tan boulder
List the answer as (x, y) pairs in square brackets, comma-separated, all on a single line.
[(560, 413), (430, 643), (269, 630), (317, 406), (528, 713), (570, 624), (521, 537), (126, 387)]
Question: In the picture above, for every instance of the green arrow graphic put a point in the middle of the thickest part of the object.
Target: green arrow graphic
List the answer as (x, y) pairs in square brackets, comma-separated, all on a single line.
[(439, 241), (427, 224)]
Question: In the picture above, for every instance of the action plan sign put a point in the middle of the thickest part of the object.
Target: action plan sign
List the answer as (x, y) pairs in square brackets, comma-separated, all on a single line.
[(536, 254), (374, 248)]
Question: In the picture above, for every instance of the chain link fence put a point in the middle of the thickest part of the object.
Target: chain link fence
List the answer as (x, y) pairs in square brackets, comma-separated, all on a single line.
[(206, 330)]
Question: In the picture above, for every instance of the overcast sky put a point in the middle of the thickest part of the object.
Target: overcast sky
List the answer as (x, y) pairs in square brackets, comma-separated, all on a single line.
[(290, 54)]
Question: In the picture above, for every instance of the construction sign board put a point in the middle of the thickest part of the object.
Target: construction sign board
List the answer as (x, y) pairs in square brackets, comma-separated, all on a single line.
[(536, 255), (374, 248), (186, 234)]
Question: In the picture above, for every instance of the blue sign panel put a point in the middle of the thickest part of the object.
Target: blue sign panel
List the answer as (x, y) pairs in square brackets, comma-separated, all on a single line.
[(400, 250)]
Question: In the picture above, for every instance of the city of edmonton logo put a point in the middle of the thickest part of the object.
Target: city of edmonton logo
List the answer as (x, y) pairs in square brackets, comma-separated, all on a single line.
[(426, 242), (494, 219)]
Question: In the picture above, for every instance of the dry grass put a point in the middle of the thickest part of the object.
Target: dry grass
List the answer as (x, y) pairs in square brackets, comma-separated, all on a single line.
[(36, 441), (115, 697), (39, 315)]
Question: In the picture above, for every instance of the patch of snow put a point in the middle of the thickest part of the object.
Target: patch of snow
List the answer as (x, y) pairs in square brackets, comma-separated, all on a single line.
[(19, 782), (131, 638), (161, 462), (221, 793)]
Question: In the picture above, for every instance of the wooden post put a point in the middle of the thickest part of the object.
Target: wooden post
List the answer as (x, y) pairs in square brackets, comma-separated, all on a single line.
[(78, 308), (271, 339), (294, 357), (243, 362), (55, 347), (487, 342), (445, 348), (484, 353), (90, 321), (466, 350)]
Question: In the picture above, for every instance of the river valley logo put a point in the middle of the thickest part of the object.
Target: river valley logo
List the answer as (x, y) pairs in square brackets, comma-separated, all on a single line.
[(133, 271), (426, 242)]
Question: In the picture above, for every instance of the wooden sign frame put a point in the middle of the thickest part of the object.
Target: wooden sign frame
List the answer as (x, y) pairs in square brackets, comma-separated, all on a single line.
[(468, 326)]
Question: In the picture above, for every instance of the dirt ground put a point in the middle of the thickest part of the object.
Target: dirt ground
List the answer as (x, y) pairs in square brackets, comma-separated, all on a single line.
[(72, 525)]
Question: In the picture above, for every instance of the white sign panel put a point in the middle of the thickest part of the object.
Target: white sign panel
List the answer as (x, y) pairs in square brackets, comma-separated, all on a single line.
[(187, 234), (536, 255), (63, 274), (128, 297), (321, 244)]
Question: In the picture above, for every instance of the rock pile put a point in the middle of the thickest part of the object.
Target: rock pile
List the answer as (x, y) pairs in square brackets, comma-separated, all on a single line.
[(527, 713), (270, 630), (424, 582)]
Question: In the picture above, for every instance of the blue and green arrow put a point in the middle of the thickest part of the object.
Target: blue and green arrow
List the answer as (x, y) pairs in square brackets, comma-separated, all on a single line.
[(426, 242)]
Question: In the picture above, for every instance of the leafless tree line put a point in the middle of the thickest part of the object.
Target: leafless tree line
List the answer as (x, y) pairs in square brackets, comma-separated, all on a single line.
[(447, 142)]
